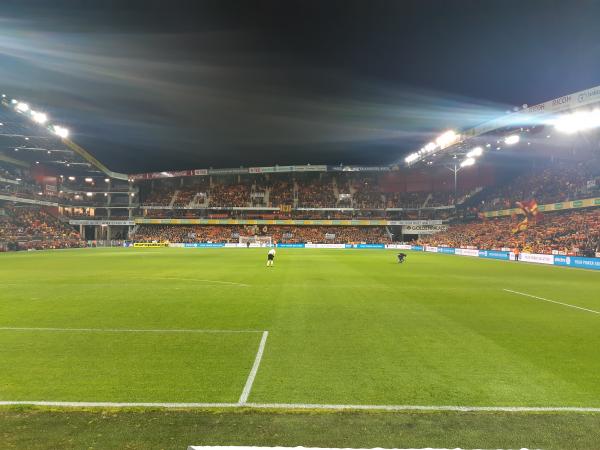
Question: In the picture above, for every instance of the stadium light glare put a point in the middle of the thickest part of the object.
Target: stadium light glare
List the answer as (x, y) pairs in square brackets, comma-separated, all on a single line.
[(410, 158), (578, 121), (13, 101), (60, 131), (71, 178), (467, 162), (430, 147), (512, 139), (89, 194), (446, 139), (22, 107), (39, 117), (477, 151)]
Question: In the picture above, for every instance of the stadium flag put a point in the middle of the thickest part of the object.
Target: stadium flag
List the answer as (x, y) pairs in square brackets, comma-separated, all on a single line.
[(532, 214)]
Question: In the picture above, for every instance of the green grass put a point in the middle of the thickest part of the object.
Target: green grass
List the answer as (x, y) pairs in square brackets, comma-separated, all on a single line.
[(345, 327)]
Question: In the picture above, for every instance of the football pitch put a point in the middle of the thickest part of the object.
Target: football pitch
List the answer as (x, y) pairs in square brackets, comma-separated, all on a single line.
[(322, 329)]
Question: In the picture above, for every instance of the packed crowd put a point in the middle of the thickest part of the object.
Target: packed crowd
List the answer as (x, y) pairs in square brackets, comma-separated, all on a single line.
[(557, 181), (320, 190), (575, 232), (24, 228), (282, 234)]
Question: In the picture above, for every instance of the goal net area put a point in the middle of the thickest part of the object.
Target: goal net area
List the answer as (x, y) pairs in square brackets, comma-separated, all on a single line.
[(257, 241)]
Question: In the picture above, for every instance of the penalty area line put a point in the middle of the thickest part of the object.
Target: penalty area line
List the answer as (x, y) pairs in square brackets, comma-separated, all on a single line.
[(307, 406), (125, 330), (250, 381), (551, 301)]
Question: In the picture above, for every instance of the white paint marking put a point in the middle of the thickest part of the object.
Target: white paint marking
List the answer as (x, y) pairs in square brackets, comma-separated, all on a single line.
[(307, 406), (231, 283), (551, 301), (254, 370), (126, 330)]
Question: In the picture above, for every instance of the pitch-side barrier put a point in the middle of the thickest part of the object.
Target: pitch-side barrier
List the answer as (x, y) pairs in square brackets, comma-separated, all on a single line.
[(579, 262)]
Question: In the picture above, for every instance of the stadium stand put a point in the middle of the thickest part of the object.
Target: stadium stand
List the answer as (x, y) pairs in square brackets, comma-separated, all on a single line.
[(24, 228)]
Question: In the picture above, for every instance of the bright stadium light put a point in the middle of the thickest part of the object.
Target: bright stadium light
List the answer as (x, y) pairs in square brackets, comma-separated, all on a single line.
[(512, 139), (22, 107), (60, 131), (578, 121), (13, 101), (430, 147), (467, 162), (89, 194), (410, 158), (39, 117), (477, 151), (446, 139)]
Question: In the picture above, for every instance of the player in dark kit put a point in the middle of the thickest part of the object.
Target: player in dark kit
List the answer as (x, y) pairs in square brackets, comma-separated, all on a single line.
[(401, 257)]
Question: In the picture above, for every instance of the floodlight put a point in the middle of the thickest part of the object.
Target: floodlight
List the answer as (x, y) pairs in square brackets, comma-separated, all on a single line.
[(430, 147), (467, 162), (578, 121), (447, 138), (71, 178), (22, 107), (410, 158), (88, 180), (89, 194), (477, 151), (512, 139), (60, 131), (39, 117)]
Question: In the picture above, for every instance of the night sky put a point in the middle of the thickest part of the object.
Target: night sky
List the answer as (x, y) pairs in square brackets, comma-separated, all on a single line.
[(157, 85)]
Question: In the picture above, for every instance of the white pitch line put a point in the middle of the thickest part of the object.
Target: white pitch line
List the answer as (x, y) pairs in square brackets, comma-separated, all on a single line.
[(254, 370), (551, 301), (306, 406), (126, 330), (232, 283)]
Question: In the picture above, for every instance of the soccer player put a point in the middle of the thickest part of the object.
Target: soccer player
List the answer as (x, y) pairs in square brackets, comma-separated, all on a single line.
[(401, 257), (270, 257)]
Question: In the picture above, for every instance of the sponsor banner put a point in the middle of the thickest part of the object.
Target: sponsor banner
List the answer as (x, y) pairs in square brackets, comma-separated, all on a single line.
[(536, 258), (431, 249), (466, 252), (354, 223), (204, 245), (101, 222), (414, 222), (310, 168), (369, 246), (150, 244), (232, 171), (575, 204), (416, 248), (311, 245), (494, 254), (359, 168), (579, 262), (446, 250), (423, 229), (399, 246), (283, 245)]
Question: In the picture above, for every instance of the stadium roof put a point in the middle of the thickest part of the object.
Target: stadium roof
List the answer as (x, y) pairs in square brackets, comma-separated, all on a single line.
[(27, 137)]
